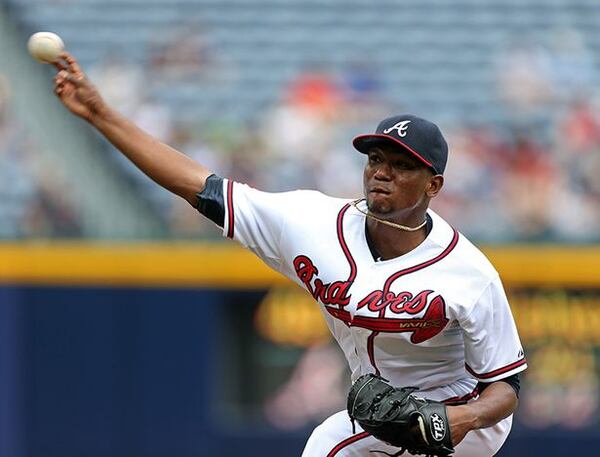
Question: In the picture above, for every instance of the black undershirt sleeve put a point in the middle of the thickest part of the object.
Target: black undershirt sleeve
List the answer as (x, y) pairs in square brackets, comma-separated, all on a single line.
[(513, 381), (211, 201)]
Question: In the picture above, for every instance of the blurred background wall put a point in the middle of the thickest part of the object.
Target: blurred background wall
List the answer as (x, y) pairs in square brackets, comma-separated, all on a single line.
[(127, 328)]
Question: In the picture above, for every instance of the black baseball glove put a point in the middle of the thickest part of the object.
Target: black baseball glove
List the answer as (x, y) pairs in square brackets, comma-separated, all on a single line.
[(399, 418)]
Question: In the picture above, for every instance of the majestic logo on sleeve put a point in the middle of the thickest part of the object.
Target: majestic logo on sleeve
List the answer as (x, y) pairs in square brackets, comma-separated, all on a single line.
[(385, 303), (401, 127)]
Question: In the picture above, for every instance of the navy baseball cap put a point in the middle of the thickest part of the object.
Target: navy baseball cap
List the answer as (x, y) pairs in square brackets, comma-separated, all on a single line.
[(421, 138)]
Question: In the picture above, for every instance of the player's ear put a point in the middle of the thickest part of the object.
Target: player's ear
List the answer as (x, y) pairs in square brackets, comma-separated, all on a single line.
[(434, 185)]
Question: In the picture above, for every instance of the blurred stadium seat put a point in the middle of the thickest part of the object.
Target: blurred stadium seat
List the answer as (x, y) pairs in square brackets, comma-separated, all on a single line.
[(217, 75)]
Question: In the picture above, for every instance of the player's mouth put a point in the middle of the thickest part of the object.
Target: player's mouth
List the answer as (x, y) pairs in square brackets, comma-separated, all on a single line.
[(379, 191)]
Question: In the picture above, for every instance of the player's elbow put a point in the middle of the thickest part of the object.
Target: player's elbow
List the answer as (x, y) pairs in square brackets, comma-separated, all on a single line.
[(190, 185)]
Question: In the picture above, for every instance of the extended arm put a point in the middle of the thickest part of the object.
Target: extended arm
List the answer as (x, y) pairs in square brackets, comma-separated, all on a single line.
[(495, 403), (168, 167)]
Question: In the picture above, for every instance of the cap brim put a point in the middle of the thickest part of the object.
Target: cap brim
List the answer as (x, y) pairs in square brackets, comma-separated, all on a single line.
[(363, 143)]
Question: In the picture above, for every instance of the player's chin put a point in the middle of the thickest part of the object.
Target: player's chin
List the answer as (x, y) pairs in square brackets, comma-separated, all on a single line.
[(379, 204)]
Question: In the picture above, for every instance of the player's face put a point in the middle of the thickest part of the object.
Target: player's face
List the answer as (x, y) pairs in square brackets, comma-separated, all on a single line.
[(396, 183)]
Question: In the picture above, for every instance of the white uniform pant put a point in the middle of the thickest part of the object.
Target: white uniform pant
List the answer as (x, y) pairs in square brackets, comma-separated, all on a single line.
[(334, 438)]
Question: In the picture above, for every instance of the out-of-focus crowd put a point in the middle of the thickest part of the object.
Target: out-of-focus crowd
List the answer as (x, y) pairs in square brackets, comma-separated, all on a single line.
[(34, 202), (529, 175)]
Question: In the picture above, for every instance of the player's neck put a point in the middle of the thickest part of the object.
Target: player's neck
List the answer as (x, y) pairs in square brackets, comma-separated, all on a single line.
[(392, 242)]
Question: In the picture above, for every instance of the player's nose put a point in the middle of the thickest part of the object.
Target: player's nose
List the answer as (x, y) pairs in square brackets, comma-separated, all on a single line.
[(383, 171)]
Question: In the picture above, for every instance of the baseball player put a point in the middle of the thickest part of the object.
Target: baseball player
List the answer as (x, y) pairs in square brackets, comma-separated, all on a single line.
[(405, 295)]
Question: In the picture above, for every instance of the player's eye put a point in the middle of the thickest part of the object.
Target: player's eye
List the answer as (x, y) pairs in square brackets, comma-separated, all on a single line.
[(374, 158), (402, 165)]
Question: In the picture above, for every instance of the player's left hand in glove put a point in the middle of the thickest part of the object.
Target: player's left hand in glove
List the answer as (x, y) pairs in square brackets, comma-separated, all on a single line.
[(399, 418)]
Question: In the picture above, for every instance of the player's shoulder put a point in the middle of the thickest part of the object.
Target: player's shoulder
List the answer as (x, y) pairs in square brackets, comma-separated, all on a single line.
[(294, 202), (316, 197), (466, 255), (317, 204)]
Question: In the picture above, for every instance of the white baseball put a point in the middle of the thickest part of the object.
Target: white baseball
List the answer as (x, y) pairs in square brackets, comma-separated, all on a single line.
[(45, 47)]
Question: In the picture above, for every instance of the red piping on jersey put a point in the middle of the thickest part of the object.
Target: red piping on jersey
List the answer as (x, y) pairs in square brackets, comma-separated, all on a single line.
[(371, 351), (391, 279), (420, 266), (497, 372), (347, 318), (230, 218), (407, 324), (371, 344), (347, 442), (340, 234)]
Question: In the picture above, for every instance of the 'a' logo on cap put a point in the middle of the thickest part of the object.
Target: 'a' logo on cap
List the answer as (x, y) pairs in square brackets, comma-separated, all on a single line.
[(401, 126)]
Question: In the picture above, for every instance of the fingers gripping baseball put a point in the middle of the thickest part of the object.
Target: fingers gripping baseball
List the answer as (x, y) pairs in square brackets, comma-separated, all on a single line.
[(74, 90)]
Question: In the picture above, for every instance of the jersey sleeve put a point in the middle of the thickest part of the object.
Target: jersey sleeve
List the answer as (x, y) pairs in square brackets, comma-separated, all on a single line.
[(257, 219), (493, 350)]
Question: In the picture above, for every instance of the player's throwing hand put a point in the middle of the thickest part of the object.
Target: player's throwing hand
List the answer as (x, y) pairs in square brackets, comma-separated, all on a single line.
[(74, 90)]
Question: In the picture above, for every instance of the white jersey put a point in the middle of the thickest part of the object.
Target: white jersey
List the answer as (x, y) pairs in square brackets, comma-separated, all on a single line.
[(436, 318)]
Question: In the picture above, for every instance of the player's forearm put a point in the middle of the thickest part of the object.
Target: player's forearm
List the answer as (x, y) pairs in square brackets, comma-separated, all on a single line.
[(495, 403), (166, 166)]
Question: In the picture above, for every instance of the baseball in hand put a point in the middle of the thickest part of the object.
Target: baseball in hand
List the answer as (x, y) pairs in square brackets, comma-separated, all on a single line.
[(45, 47)]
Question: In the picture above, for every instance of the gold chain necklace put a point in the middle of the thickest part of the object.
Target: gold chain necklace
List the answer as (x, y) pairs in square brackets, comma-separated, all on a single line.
[(391, 224)]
